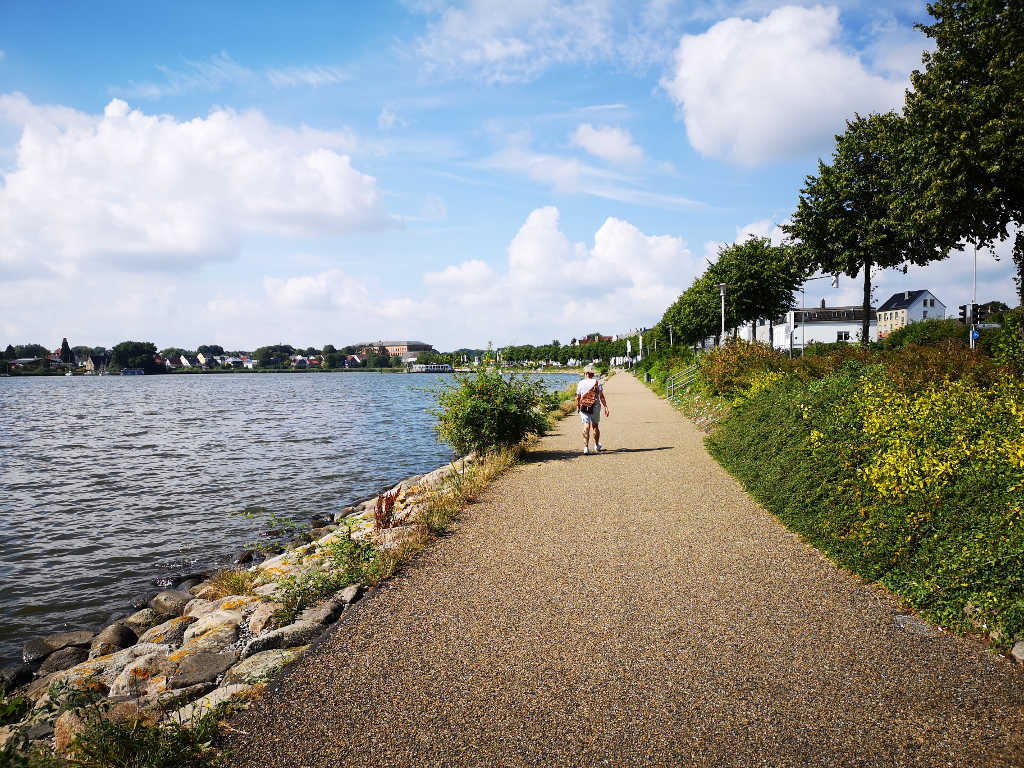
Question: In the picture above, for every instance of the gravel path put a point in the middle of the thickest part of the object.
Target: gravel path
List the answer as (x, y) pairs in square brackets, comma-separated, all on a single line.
[(632, 608)]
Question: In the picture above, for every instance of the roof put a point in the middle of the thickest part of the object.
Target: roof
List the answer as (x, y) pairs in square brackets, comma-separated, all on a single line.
[(901, 300)]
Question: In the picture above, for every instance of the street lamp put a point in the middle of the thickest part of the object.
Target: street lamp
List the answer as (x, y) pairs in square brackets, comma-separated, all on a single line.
[(721, 290)]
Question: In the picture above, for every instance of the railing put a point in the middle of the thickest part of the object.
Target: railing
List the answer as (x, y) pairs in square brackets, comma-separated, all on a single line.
[(680, 381)]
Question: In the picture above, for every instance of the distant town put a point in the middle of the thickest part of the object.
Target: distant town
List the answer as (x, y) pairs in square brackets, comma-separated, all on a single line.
[(797, 329)]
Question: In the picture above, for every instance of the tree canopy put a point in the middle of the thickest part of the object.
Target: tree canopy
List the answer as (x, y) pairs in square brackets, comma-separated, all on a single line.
[(135, 354), (966, 122)]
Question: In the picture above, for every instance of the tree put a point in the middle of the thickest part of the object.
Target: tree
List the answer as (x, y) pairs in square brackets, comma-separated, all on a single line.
[(65, 353), (329, 349), (135, 354), (848, 217), (210, 349), (174, 353), (273, 354), (9, 353), (966, 120)]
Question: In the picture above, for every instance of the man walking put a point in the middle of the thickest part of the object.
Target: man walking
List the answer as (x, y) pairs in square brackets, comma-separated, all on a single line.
[(589, 400)]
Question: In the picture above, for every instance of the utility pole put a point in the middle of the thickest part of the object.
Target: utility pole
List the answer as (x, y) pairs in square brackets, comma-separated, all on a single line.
[(721, 290), (974, 297), (670, 343)]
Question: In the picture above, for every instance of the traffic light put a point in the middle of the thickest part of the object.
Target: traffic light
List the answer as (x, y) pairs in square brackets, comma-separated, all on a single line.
[(975, 313), (963, 314)]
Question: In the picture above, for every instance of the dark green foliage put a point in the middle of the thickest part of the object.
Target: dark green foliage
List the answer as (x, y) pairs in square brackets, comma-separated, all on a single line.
[(210, 349), (273, 354), (12, 708), (16, 351), (925, 333), (135, 354), (65, 353), (485, 411)]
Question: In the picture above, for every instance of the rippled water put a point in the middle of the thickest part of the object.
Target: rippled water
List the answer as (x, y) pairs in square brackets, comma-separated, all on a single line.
[(108, 483)]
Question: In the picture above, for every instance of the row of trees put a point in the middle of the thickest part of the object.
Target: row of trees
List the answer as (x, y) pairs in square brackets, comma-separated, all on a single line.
[(900, 188)]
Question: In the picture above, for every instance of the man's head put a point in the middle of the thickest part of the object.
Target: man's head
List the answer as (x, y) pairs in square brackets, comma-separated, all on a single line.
[(589, 371)]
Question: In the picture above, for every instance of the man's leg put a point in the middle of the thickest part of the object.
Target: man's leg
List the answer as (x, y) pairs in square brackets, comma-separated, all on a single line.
[(597, 434), (586, 434)]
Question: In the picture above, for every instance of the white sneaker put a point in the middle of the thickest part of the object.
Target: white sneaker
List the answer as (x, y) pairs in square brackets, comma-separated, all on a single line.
[(586, 449), (597, 447)]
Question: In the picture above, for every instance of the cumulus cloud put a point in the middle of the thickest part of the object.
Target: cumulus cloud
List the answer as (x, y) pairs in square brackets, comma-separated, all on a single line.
[(607, 142), (149, 192), (753, 92), (550, 284)]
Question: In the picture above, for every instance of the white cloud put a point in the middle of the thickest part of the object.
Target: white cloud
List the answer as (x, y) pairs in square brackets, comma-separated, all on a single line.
[(499, 41), (609, 143), (553, 286), (144, 192), (757, 91), (221, 71), (567, 175)]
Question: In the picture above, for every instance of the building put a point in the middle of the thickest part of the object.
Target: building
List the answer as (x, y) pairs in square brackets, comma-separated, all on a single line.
[(803, 326), (907, 307), (396, 348)]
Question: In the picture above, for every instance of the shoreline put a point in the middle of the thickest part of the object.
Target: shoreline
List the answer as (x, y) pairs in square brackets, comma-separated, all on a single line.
[(193, 647)]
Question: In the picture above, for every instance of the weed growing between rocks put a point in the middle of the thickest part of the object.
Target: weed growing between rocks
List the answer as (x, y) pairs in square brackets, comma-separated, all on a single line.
[(12, 708), (460, 488), (233, 581)]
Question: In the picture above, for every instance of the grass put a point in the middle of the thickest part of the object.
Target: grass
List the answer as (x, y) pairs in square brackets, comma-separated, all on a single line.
[(233, 581)]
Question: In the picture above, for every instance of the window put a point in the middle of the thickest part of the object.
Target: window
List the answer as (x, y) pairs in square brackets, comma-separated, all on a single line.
[(924, 315), (842, 335)]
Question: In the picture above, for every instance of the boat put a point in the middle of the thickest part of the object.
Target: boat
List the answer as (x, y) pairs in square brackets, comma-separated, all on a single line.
[(132, 372)]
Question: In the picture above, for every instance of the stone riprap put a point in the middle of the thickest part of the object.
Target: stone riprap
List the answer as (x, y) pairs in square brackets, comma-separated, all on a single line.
[(194, 649)]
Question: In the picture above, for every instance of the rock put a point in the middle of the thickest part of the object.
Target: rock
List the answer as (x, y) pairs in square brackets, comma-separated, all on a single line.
[(145, 619), (266, 590), (43, 730), (202, 668), (263, 616), (6, 734), (244, 557), (319, 533), (112, 638), (215, 620), (344, 513), (41, 647), (144, 676), (1017, 652), (206, 591), (38, 687), (141, 601), (172, 699), (391, 538), (197, 709), (14, 675), (262, 666), (299, 633), (329, 611), (182, 578), (67, 727), (65, 658), (187, 584), (198, 607), (171, 632), (99, 673), (170, 601)]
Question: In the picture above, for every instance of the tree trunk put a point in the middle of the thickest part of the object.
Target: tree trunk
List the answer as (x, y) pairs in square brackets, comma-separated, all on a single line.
[(771, 334), (865, 325)]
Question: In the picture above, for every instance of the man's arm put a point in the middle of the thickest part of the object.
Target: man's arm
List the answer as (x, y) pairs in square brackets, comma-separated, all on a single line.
[(600, 393)]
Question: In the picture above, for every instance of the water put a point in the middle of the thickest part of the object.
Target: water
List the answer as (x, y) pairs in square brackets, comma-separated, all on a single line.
[(108, 483)]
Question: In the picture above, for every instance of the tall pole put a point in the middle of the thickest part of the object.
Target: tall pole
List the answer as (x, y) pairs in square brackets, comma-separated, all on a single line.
[(974, 295), (670, 336), (803, 317), (721, 290)]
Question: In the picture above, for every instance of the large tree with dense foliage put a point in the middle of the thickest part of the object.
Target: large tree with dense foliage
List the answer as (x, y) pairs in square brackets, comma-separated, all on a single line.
[(135, 354), (966, 119), (847, 220)]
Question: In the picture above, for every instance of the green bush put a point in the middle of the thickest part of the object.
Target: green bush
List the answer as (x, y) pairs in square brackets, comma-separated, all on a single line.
[(487, 411), (926, 333)]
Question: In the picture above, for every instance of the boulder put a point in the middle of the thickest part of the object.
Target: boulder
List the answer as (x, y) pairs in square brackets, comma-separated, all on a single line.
[(199, 607), (263, 617), (329, 611), (143, 676), (197, 709), (217, 620), (100, 673), (299, 633), (266, 590), (7, 732), (67, 727), (172, 699), (202, 667), (41, 647), (187, 584), (262, 666), (65, 658), (244, 557), (170, 601), (112, 638), (171, 632), (1017, 652), (71, 723), (205, 590), (145, 619), (14, 675)]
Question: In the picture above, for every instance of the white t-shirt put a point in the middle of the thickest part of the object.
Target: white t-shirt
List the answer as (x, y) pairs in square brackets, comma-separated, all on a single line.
[(588, 384)]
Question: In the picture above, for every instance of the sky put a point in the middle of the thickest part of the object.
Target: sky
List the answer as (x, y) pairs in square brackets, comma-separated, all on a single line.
[(504, 171)]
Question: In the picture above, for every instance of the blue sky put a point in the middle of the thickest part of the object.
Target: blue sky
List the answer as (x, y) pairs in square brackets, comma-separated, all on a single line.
[(238, 173)]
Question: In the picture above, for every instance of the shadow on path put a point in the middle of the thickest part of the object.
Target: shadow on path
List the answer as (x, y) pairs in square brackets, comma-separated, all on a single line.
[(538, 457)]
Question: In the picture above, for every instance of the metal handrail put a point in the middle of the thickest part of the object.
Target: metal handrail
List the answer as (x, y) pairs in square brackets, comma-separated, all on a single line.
[(679, 380)]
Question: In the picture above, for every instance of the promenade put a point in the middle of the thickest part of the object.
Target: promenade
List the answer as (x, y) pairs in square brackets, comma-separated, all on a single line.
[(634, 607)]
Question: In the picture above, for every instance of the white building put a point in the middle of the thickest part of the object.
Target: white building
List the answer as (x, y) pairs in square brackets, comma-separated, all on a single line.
[(804, 326), (907, 307)]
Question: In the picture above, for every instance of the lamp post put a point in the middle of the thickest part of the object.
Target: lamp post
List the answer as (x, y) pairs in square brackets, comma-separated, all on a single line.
[(721, 290)]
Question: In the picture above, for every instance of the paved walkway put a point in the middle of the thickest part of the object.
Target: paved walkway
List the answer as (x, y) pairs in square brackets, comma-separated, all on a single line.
[(632, 608)]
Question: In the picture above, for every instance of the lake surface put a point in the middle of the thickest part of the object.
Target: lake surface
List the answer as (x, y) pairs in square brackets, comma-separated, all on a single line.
[(109, 483)]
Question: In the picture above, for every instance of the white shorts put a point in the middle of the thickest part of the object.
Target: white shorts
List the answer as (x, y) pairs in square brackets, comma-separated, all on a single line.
[(587, 418)]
